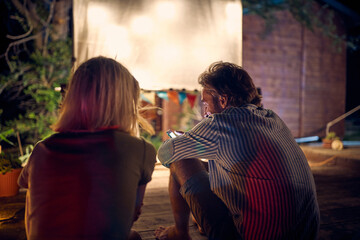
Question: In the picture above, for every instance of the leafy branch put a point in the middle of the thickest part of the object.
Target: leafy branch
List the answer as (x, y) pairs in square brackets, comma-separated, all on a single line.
[(309, 13), (39, 60)]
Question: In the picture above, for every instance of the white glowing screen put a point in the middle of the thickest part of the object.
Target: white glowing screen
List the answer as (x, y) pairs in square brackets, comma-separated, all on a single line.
[(165, 44)]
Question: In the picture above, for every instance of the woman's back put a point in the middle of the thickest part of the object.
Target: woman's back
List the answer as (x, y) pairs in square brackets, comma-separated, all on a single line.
[(84, 184)]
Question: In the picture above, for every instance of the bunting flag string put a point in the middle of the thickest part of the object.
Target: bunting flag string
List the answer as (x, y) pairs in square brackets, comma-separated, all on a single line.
[(175, 96)]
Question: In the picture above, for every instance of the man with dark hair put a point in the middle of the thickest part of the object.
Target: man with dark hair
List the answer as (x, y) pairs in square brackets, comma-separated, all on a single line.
[(256, 183)]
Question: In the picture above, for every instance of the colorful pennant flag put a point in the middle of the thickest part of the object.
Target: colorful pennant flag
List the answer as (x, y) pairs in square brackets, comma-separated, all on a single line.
[(173, 96), (191, 98), (182, 97), (144, 98), (162, 95), (148, 97)]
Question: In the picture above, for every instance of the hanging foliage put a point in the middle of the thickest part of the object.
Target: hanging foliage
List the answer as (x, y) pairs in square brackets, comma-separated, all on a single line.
[(310, 13), (38, 61)]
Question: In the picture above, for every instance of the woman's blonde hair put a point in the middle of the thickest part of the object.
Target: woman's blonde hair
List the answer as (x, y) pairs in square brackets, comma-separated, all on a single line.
[(102, 93)]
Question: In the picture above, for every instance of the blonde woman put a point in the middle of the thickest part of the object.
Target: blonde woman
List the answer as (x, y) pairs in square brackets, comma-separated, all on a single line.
[(87, 181)]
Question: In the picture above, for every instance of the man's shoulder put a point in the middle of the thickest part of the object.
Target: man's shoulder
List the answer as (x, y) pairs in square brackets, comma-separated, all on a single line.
[(250, 109), (245, 110), (248, 114)]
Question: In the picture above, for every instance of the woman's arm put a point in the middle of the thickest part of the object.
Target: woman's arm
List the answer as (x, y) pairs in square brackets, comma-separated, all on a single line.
[(139, 201)]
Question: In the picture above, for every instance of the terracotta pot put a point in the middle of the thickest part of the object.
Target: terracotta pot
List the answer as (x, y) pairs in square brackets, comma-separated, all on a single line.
[(326, 143), (8, 183)]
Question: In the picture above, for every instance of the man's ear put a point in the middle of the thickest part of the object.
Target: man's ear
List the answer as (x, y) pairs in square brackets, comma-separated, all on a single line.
[(223, 100)]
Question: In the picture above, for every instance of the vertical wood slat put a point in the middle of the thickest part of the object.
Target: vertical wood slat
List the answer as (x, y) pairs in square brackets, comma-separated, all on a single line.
[(301, 75)]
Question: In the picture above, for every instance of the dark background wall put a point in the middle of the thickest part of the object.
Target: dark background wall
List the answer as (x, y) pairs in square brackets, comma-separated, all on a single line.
[(301, 75)]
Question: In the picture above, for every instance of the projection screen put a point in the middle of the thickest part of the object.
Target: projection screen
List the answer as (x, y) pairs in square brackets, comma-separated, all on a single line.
[(164, 44)]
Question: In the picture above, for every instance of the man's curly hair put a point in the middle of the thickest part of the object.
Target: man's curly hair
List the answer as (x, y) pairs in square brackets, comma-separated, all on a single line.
[(233, 81)]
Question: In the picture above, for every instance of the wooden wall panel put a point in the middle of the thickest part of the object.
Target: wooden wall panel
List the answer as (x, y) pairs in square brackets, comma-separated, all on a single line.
[(324, 92), (302, 77), (275, 64)]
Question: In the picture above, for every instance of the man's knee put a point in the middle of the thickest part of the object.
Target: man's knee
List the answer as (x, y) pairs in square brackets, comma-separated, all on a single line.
[(208, 209), (183, 170)]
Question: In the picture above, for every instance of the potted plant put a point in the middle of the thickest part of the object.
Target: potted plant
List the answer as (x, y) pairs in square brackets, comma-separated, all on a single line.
[(328, 140), (10, 168)]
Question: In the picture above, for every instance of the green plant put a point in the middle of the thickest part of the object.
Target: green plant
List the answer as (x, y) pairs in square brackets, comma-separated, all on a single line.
[(156, 140), (39, 61), (332, 136), (36, 81), (24, 158), (8, 162), (5, 134)]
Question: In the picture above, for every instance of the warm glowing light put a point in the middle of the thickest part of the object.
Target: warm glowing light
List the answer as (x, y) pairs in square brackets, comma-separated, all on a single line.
[(233, 17), (117, 42), (166, 10), (142, 25), (233, 10), (97, 15), (164, 43), (167, 53), (200, 53), (144, 77)]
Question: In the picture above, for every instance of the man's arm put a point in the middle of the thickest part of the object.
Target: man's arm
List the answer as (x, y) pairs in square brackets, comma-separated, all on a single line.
[(200, 142)]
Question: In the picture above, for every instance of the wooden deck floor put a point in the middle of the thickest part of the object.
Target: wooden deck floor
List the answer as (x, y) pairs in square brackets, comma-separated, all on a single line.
[(337, 187), (338, 194), (157, 209)]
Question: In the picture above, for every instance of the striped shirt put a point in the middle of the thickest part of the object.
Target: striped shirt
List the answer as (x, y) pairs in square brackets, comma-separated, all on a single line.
[(256, 168)]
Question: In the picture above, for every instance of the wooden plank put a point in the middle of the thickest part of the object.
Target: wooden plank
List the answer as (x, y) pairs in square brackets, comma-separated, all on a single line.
[(157, 209)]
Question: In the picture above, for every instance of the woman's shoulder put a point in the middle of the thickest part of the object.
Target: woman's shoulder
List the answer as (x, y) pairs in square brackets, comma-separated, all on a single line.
[(126, 137), (96, 139), (140, 141)]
